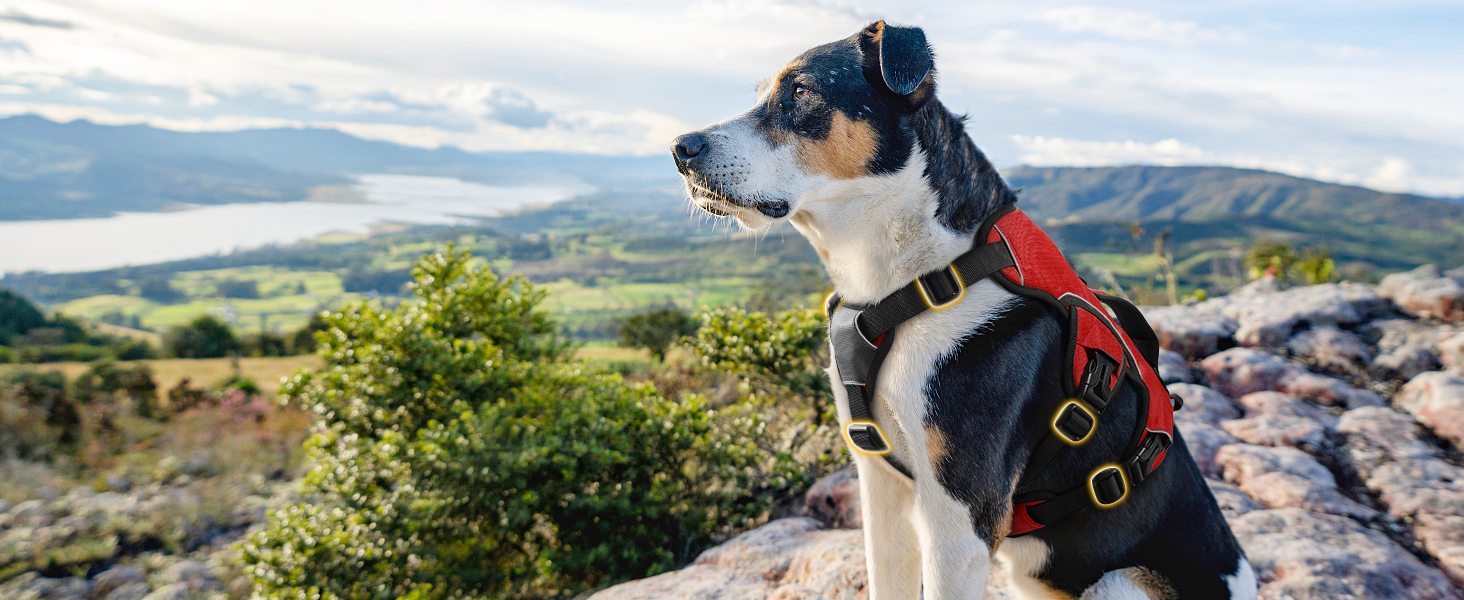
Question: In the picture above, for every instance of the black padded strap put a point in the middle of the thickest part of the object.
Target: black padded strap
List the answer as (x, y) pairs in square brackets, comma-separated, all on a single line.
[(973, 266), (1135, 325), (1046, 451), (1063, 505)]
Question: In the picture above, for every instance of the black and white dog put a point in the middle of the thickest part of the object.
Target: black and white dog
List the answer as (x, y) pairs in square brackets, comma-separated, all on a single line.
[(849, 143)]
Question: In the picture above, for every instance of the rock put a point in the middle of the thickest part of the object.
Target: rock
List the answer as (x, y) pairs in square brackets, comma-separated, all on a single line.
[(67, 588), (1270, 318), (1240, 371), (1405, 363), (1203, 441), (193, 576), (1331, 348), (1451, 353), (115, 578), (834, 499), (1423, 292), (1242, 462), (1279, 490), (1410, 479), (1202, 405), (1391, 334), (136, 590), (119, 483), (1436, 399), (1328, 391), (1304, 555), (785, 559), (1188, 332), (1172, 368), (1276, 419), (1232, 501)]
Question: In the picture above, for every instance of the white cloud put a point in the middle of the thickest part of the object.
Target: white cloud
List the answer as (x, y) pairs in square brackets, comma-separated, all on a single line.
[(1394, 175), (1132, 25), (1045, 151)]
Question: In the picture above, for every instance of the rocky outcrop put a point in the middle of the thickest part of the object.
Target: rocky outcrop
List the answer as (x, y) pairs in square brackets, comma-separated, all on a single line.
[(1426, 293), (1276, 419), (1310, 556), (1240, 371)]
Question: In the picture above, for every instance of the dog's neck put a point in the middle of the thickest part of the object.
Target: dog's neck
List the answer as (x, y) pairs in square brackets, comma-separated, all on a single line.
[(875, 234)]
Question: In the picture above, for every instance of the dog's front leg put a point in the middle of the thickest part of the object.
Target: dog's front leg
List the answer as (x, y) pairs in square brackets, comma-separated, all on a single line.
[(956, 560), (891, 546)]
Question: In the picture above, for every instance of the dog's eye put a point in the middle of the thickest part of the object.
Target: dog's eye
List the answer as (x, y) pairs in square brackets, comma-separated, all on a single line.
[(799, 92)]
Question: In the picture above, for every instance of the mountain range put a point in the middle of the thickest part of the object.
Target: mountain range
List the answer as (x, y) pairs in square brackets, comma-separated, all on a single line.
[(53, 170), (80, 169)]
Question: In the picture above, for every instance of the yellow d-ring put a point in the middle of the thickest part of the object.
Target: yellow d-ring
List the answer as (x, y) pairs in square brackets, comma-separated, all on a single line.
[(1093, 492), (926, 296), (1080, 406), (870, 426)]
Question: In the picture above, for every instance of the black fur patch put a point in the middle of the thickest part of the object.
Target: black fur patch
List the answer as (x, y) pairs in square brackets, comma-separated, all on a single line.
[(993, 400)]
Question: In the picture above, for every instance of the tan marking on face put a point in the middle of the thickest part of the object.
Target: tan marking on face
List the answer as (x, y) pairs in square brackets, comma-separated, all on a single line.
[(845, 153), (935, 446)]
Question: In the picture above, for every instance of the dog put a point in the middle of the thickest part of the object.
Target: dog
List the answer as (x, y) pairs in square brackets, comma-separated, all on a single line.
[(850, 145)]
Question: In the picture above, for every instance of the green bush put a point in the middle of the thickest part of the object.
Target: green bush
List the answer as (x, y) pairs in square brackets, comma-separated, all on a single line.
[(782, 355), (461, 453)]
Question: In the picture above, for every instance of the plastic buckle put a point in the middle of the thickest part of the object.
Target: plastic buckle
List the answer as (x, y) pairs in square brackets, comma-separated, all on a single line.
[(940, 289), (1108, 486), (1154, 444), (1074, 423), (866, 437), (1094, 388)]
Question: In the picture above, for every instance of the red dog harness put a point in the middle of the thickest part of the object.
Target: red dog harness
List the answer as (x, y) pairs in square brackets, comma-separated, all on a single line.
[(1101, 355)]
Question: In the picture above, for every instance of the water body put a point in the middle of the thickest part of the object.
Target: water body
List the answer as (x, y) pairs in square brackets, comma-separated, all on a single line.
[(68, 245)]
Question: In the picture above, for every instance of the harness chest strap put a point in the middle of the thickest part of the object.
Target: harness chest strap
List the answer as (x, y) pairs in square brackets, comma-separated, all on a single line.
[(1019, 256)]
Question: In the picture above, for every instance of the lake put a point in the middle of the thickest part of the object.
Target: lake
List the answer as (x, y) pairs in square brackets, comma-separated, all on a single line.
[(143, 238)]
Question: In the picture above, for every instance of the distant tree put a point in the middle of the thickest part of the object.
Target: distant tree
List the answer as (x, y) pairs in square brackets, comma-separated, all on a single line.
[(17, 316), (236, 288), (303, 342), (381, 282), (158, 289), (204, 337), (657, 330)]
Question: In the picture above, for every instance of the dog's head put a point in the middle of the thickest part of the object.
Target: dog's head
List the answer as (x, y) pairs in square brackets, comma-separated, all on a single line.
[(835, 117)]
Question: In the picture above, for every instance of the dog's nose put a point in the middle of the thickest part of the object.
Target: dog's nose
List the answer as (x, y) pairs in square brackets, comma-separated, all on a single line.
[(689, 146)]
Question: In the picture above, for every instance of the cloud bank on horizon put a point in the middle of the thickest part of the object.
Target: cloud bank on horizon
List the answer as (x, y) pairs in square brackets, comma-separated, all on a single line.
[(1363, 93)]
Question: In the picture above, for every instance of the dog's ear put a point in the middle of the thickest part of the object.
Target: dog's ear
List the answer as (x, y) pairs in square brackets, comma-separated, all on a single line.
[(899, 56)]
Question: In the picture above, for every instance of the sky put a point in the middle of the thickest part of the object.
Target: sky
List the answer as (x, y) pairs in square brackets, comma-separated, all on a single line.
[(1365, 93)]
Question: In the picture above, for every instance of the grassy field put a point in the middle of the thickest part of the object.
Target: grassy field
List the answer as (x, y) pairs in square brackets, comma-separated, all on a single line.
[(201, 372)]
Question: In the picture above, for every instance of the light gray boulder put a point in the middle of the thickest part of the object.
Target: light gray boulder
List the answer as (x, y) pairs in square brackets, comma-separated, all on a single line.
[(1173, 369), (1302, 555), (1276, 419), (1436, 399), (1426, 293), (1332, 348)]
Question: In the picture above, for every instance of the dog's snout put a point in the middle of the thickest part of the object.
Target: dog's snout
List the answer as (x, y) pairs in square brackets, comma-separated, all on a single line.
[(688, 147)]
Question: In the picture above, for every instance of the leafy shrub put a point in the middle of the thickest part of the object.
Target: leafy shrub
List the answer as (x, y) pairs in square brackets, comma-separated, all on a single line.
[(656, 330), (782, 355), (62, 353), (461, 453), (204, 337)]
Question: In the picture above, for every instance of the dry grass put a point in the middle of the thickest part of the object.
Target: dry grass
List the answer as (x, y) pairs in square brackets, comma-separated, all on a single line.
[(265, 371)]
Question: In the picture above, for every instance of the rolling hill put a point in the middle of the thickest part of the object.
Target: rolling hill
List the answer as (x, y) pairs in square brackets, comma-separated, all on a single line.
[(80, 169)]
